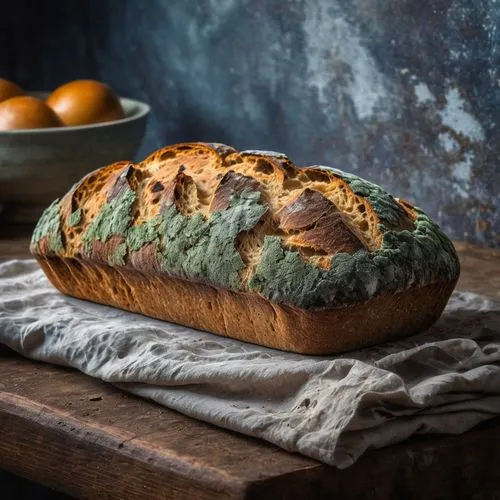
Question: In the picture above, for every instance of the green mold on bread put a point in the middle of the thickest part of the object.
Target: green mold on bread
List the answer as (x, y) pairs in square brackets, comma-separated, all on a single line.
[(405, 259), (48, 229), (114, 219), (75, 218), (204, 249)]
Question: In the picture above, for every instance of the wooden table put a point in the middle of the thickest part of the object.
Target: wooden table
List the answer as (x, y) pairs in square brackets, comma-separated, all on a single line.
[(86, 438)]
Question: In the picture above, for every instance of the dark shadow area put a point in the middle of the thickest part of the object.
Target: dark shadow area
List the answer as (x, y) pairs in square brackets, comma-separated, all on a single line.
[(18, 488)]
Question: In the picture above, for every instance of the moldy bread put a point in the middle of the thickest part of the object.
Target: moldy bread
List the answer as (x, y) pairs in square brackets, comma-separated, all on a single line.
[(249, 246)]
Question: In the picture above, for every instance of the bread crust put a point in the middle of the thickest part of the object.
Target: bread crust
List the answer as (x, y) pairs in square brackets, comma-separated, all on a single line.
[(248, 317), (249, 246)]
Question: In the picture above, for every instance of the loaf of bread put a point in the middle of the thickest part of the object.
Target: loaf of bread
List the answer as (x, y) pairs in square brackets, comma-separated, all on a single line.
[(247, 245)]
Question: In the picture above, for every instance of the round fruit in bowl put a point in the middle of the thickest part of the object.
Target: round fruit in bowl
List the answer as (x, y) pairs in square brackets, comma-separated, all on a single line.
[(9, 89), (49, 141), (82, 102), (26, 112)]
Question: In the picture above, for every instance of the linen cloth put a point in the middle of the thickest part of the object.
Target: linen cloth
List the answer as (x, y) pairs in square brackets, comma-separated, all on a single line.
[(331, 408)]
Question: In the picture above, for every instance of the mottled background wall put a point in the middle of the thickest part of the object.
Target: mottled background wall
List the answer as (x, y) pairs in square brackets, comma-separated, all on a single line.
[(404, 93)]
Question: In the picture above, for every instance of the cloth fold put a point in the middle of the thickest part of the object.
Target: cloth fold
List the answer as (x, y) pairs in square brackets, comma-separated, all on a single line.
[(333, 409)]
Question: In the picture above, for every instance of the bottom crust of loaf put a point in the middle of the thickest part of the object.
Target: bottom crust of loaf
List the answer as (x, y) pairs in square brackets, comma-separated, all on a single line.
[(249, 317)]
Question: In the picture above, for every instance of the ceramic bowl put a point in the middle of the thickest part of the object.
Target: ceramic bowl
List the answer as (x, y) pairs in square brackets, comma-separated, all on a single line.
[(40, 165)]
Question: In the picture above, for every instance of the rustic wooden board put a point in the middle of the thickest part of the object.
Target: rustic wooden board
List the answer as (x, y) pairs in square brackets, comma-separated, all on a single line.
[(86, 438)]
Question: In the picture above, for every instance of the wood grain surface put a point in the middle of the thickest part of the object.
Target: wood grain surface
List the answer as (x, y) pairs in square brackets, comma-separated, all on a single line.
[(86, 438)]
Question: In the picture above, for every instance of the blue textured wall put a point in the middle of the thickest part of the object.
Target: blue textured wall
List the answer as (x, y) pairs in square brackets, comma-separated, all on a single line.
[(404, 93)]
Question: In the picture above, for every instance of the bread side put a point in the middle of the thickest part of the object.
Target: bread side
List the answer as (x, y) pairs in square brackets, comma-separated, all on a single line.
[(309, 240), (250, 317)]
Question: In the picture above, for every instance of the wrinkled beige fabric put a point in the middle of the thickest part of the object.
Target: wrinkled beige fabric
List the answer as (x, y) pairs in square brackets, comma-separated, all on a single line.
[(330, 408)]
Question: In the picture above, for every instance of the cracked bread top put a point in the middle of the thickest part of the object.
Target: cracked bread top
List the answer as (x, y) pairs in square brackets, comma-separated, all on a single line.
[(250, 221)]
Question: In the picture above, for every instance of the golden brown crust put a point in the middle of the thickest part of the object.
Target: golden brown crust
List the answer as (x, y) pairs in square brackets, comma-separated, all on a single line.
[(323, 226), (248, 317), (230, 184), (200, 177)]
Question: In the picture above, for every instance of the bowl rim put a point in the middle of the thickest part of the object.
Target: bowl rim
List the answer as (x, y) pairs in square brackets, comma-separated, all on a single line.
[(142, 110)]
